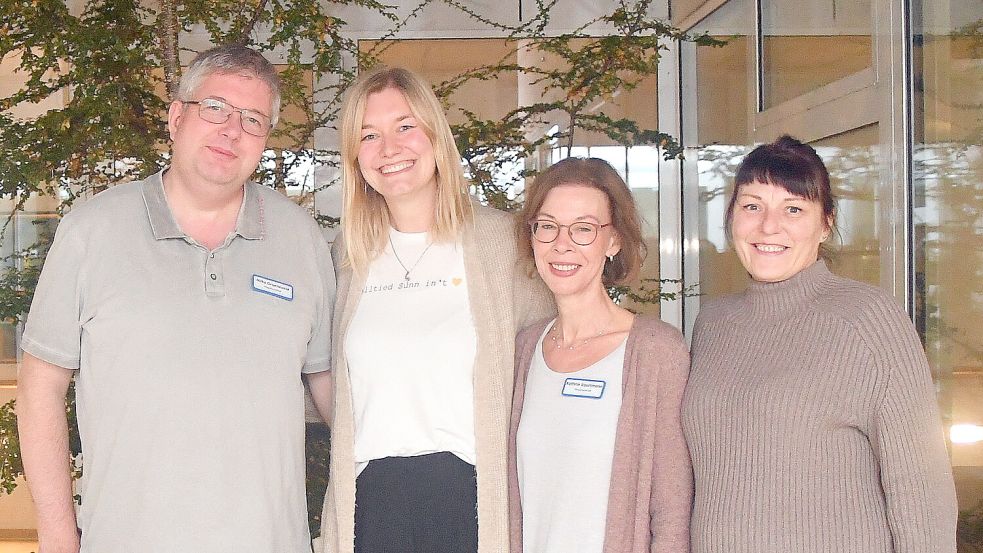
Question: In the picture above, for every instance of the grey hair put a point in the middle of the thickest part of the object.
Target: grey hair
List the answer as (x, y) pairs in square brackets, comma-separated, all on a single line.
[(231, 59)]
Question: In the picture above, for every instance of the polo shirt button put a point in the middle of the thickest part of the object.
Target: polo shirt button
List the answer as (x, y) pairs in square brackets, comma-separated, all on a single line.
[(213, 276), (212, 255)]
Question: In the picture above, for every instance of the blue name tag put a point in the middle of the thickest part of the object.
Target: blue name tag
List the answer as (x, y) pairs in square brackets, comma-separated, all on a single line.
[(272, 287), (582, 387)]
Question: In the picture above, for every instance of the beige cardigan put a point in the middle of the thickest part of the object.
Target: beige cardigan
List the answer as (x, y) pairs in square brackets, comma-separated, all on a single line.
[(651, 490), (503, 299)]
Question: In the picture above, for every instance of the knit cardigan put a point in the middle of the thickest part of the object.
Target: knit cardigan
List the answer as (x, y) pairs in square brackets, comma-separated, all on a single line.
[(503, 299), (812, 423), (651, 486)]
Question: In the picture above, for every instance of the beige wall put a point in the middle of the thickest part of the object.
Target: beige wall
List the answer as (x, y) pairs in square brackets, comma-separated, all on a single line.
[(439, 60)]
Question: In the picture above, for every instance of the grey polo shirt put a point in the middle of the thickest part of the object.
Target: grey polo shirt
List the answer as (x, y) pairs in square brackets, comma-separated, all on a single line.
[(189, 392)]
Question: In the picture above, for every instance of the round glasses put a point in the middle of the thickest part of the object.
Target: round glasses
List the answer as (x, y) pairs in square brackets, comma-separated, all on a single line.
[(218, 112), (582, 233)]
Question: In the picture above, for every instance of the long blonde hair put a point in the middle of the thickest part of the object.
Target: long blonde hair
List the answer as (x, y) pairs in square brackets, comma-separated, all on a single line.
[(365, 218)]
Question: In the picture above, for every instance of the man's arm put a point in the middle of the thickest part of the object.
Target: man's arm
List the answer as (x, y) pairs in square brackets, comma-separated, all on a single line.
[(321, 386), (43, 429)]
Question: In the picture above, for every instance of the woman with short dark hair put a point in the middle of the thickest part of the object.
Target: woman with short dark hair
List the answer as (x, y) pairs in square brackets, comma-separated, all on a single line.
[(810, 411), (596, 451)]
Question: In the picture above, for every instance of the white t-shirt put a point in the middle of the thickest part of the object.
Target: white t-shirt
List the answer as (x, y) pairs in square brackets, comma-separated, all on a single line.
[(565, 447), (411, 349)]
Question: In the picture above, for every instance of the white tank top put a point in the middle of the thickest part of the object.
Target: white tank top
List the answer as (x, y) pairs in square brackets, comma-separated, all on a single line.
[(564, 450)]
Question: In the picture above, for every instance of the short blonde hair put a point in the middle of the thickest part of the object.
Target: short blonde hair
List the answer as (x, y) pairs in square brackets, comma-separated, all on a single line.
[(365, 216)]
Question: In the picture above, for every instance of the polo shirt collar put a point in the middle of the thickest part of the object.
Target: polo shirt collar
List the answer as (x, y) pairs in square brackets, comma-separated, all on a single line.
[(249, 224)]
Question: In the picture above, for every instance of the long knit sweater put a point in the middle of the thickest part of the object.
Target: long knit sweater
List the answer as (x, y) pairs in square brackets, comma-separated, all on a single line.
[(812, 424), (651, 486), (503, 299)]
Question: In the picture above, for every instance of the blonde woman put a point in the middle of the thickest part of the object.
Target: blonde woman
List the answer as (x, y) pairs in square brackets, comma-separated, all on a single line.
[(429, 302)]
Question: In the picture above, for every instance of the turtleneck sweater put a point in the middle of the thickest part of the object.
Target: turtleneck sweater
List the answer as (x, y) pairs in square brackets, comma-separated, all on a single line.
[(812, 424)]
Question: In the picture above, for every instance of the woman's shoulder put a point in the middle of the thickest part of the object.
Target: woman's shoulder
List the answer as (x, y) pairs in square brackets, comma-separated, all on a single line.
[(859, 302), (533, 331), (339, 252), (712, 309), (651, 332), (875, 316), (493, 235), (658, 350), (490, 216)]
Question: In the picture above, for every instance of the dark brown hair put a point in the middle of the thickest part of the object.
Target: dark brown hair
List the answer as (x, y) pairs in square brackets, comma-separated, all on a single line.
[(791, 165), (598, 174)]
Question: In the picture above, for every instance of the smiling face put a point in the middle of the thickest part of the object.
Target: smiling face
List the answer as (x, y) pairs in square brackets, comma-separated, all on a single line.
[(395, 155), (568, 268), (776, 234), (222, 154)]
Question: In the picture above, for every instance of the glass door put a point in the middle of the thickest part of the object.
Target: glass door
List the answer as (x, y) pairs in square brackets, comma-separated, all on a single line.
[(947, 210)]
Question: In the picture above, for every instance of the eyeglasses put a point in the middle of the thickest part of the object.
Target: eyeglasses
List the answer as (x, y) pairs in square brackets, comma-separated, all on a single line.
[(582, 233), (218, 112)]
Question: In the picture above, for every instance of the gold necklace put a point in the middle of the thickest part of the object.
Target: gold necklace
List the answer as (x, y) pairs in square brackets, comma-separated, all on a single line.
[(557, 342)]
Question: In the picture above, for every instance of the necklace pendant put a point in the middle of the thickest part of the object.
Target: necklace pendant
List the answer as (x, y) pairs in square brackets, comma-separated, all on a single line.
[(407, 277)]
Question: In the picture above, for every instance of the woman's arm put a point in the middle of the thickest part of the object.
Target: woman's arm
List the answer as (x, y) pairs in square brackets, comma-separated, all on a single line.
[(907, 438), (672, 471), (533, 300)]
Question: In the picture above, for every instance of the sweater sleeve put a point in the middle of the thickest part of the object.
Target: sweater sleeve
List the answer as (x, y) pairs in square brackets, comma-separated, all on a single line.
[(672, 472), (533, 300), (907, 438)]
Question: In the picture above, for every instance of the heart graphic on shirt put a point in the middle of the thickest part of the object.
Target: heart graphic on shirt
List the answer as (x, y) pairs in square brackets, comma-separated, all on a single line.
[(456, 281)]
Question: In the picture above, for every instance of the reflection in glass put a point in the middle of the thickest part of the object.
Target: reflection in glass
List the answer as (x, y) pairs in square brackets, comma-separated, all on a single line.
[(947, 214), (23, 233), (721, 271), (810, 43), (850, 159), (722, 134)]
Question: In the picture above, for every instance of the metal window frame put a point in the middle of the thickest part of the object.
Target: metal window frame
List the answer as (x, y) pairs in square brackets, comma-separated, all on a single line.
[(880, 94)]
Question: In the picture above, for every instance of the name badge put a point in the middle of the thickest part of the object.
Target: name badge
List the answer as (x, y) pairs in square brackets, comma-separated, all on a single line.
[(272, 287), (582, 387)]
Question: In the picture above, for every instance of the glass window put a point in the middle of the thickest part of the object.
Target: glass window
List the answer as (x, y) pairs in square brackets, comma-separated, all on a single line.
[(853, 171), (808, 44), (723, 139), (722, 87), (947, 214), (23, 231), (8, 342)]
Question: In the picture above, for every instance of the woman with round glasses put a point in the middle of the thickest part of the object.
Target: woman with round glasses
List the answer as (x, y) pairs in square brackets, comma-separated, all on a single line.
[(810, 412), (429, 302), (596, 451)]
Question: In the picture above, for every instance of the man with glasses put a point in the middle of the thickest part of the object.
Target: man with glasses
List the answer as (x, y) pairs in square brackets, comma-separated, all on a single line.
[(186, 306)]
